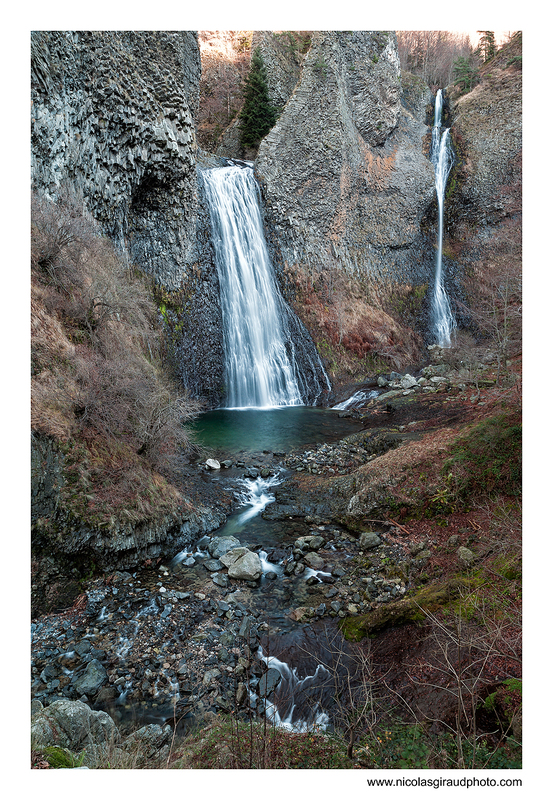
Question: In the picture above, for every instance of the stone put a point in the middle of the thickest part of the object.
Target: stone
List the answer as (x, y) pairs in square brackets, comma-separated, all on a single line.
[(408, 381), (268, 682), (211, 675), (71, 724), (219, 545), (220, 579), (309, 542), (92, 679), (314, 561), (213, 564), (242, 564), (300, 613), (241, 693), (212, 463), (466, 556), (150, 741), (369, 540)]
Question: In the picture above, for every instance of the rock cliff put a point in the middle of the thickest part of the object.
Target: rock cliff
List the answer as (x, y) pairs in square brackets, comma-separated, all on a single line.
[(344, 173), (113, 115)]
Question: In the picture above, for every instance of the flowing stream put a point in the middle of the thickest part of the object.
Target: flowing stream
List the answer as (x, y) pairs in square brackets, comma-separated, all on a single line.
[(442, 158), (262, 368)]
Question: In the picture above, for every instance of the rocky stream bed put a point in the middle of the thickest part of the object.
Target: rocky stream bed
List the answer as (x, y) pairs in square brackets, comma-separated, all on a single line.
[(162, 647)]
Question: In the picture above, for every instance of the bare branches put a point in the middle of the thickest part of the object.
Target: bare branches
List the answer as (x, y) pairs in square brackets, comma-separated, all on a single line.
[(96, 343), (431, 54)]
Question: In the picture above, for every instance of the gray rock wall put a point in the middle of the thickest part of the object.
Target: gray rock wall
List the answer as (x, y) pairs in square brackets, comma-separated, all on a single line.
[(66, 547), (113, 115), (487, 129), (344, 173)]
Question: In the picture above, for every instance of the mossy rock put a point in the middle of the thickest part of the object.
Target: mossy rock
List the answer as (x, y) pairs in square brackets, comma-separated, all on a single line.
[(62, 758), (400, 612)]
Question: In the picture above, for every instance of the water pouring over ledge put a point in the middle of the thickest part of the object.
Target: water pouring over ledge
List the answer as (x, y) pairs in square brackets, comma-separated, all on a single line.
[(442, 158), (261, 367)]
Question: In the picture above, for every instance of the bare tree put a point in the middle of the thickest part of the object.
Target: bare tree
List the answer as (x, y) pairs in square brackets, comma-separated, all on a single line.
[(431, 54)]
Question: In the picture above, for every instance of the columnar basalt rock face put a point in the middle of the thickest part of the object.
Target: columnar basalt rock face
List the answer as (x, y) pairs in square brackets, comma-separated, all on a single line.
[(344, 172), (488, 131), (113, 116)]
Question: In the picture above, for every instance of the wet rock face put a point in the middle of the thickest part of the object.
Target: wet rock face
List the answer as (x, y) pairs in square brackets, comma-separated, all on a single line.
[(113, 115), (344, 174)]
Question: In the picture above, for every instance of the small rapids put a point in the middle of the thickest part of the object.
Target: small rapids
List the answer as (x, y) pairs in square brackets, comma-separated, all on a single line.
[(297, 704), (357, 399)]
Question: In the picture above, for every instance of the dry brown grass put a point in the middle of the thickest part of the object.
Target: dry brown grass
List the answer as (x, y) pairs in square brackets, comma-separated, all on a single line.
[(98, 381)]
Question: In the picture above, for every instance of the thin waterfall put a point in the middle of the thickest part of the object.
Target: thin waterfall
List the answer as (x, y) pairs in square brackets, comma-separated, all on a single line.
[(260, 371), (442, 158)]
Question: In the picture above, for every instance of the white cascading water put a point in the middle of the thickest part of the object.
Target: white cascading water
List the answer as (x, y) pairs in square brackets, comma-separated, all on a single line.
[(442, 158), (259, 373), (299, 707)]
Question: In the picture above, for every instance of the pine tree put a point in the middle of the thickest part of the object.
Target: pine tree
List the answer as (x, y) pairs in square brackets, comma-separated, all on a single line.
[(465, 74), (258, 115), (487, 46)]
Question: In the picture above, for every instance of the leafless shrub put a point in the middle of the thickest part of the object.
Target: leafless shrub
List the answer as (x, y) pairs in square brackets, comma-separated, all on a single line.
[(484, 633), (96, 347), (431, 54)]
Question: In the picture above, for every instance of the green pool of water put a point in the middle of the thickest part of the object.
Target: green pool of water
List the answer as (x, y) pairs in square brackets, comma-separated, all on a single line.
[(230, 431)]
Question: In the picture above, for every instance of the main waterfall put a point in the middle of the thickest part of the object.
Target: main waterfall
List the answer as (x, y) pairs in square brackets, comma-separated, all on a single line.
[(441, 156), (261, 368)]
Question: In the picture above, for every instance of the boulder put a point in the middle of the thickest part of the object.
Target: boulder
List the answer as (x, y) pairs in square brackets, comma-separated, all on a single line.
[(408, 381), (71, 724), (466, 556), (369, 540), (314, 561), (242, 564), (309, 542), (92, 679), (219, 545), (213, 564), (268, 682), (150, 741)]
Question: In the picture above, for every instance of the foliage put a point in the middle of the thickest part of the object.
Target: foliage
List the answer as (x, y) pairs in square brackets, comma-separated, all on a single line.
[(431, 54), (486, 46), (487, 459), (225, 62), (294, 43), (61, 758), (398, 747), (258, 114), (230, 744), (465, 73), (98, 379), (480, 755)]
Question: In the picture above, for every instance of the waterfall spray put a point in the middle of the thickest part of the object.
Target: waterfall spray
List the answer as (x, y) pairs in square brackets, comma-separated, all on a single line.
[(442, 158)]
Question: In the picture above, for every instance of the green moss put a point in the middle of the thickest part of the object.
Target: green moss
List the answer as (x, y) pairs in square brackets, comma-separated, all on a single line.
[(487, 459), (61, 758), (401, 612)]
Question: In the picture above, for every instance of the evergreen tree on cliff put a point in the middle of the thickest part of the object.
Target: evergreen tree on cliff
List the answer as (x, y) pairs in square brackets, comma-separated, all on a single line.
[(487, 46), (258, 115)]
